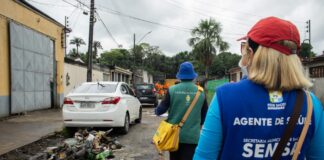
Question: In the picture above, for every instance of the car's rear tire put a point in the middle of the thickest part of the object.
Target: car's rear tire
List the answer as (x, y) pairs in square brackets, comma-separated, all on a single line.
[(139, 119), (125, 128)]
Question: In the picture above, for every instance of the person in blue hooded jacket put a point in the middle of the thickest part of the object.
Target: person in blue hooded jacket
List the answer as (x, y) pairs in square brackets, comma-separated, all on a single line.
[(246, 120)]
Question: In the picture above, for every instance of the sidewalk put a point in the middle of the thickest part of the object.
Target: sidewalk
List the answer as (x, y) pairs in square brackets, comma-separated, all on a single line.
[(19, 131)]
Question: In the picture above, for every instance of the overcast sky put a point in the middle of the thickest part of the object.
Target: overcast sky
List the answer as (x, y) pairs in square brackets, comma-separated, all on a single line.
[(172, 19)]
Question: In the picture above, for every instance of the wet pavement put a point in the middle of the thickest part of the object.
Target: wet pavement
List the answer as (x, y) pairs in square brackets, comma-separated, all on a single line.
[(138, 141), (22, 130)]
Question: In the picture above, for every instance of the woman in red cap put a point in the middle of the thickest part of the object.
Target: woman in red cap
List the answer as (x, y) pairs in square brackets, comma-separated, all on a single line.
[(273, 117)]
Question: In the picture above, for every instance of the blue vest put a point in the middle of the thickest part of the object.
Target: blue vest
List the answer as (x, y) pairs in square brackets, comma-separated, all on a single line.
[(254, 120)]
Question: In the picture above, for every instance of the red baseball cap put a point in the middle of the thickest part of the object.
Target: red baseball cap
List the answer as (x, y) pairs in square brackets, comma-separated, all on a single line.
[(269, 31)]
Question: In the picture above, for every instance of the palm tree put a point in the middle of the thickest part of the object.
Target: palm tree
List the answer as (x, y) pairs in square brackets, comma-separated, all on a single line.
[(96, 45), (78, 42), (206, 40)]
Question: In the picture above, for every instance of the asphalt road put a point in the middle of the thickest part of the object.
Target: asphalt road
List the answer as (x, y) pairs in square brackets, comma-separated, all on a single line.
[(138, 141)]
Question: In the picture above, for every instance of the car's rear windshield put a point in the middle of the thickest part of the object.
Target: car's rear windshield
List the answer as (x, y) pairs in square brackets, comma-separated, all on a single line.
[(96, 88), (144, 86)]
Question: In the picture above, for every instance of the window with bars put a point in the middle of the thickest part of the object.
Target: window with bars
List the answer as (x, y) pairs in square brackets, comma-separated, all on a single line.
[(316, 72)]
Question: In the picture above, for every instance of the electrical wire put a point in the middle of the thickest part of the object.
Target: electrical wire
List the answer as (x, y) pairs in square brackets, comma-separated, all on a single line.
[(202, 13), (123, 21), (77, 19), (76, 6), (112, 11), (105, 26), (47, 4), (240, 12)]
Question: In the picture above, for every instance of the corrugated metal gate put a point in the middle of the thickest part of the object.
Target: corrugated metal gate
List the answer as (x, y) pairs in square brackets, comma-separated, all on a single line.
[(31, 62)]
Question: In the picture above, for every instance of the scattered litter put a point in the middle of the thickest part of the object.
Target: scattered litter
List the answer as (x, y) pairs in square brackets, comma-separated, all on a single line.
[(86, 145)]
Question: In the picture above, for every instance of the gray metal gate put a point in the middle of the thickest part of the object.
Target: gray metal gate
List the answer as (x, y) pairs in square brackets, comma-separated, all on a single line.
[(31, 62)]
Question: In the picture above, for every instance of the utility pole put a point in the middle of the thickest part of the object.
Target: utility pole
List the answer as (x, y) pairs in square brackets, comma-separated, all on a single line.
[(134, 69), (65, 31), (89, 73), (134, 48), (309, 30)]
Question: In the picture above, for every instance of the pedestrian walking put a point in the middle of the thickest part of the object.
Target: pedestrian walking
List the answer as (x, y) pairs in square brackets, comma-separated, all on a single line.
[(268, 115), (176, 102)]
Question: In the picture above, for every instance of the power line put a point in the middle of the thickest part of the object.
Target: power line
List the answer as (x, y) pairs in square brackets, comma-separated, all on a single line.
[(111, 11), (115, 12), (231, 10), (242, 12), (112, 37), (47, 4), (77, 19), (76, 6), (75, 9), (202, 13), (100, 19), (123, 21)]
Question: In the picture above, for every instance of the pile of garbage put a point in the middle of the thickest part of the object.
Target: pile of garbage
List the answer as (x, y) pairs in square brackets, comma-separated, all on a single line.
[(85, 145)]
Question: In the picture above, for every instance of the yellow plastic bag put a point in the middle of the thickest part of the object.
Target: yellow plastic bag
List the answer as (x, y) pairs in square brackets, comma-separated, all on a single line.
[(166, 138)]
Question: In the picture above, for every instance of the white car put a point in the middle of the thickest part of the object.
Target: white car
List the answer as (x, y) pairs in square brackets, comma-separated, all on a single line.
[(102, 104)]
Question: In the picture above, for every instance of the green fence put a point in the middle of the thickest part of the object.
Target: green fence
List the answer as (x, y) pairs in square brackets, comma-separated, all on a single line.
[(212, 85)]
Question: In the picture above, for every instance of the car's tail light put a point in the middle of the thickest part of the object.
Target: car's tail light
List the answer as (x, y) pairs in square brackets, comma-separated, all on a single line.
[(68, 101), (111, 100)]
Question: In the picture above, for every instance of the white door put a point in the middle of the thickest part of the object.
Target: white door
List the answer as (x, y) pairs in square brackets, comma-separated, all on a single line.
[(135, 104), (128, 99)]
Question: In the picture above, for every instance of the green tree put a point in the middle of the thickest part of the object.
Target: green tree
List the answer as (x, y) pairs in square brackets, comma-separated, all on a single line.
[(96, 45), (182, 57), (78, 42), (206, 40), (84, 57), (223, 62), (73, 53), (306, 50), (119, 57)]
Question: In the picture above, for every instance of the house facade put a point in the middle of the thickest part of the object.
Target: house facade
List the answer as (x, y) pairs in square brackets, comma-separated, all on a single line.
[(32, 57)]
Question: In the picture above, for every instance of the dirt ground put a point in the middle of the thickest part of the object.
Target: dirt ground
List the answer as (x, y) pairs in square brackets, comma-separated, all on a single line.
[(137, 143)]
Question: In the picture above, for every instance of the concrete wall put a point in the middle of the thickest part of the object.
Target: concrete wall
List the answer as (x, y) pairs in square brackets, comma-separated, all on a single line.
[(147, 77), (12, 10), (77, 75), (4, 68), (318, 82), (318, 88)]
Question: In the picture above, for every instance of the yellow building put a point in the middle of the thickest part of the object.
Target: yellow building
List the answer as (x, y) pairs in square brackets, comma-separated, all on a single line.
[(31, 59)]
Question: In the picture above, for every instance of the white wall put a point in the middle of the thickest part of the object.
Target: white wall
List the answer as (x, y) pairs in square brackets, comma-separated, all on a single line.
[(78, 75), (318, 88), (147, 77)]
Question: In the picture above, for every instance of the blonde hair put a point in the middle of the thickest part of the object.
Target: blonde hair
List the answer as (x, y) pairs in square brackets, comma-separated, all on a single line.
[(277, 71)]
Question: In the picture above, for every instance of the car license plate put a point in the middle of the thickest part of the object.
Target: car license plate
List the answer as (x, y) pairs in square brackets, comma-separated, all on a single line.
[(143, 98), (87, 105)]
